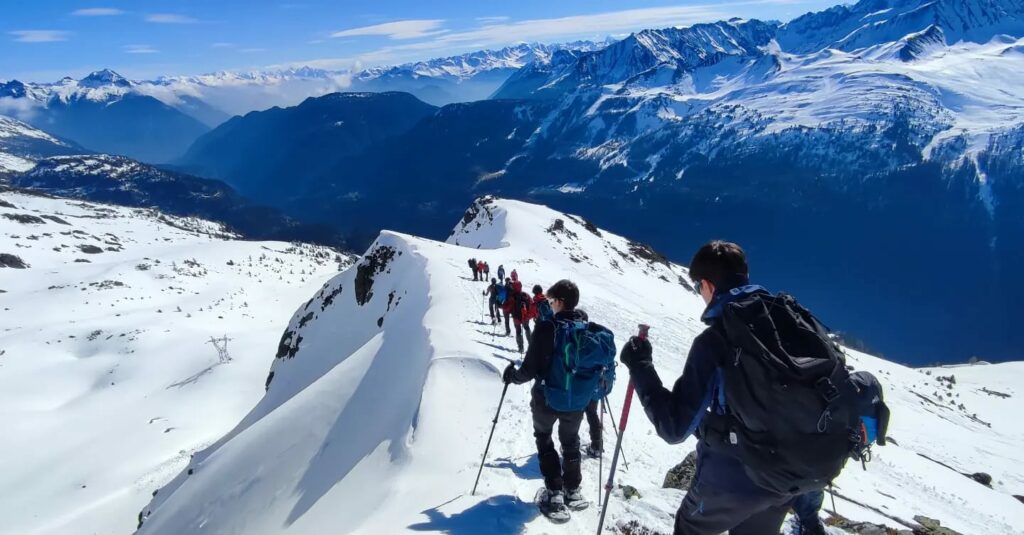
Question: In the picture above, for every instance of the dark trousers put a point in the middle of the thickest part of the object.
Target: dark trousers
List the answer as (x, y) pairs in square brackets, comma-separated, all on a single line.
[(807, 506), (594, 423), (564, 473), (519, 333), (723, 498), (492, 306), (476, 274), (508, 330)]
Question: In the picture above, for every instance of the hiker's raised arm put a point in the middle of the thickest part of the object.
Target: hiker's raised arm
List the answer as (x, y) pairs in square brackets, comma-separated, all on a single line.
[(675, 413)]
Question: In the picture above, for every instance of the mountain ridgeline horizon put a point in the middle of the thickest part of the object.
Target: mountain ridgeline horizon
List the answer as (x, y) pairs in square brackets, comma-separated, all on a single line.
[(825, 146), (868, 156)]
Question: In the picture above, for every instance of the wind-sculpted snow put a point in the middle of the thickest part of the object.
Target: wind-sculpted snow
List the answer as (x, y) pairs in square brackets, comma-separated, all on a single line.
[(377, 421)]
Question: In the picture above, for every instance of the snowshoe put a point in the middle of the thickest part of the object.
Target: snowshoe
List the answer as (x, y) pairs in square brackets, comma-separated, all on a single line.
[(593, 452), (552, 505), (574, 500), (811, 528)]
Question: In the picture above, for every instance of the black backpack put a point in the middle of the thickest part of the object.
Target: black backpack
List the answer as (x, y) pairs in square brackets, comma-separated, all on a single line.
[(790, 407)]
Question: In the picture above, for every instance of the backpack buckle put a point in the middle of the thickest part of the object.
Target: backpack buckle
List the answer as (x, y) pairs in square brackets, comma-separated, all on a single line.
[(827, 389)]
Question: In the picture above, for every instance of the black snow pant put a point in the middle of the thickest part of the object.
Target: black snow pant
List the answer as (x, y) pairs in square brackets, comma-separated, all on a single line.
[(564, 473), (476, 274), (519, 333), (723, 498), (492, 306), (508, 330), (594, 423)]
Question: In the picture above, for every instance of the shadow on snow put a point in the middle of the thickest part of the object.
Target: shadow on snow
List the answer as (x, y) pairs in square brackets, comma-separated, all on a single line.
[(498, 515)]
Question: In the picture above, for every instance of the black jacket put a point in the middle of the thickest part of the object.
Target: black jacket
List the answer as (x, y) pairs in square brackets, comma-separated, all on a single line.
[(677, 413), (542, 346)]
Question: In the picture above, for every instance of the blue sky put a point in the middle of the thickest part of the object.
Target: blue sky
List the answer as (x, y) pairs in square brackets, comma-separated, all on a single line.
[(44, 40)]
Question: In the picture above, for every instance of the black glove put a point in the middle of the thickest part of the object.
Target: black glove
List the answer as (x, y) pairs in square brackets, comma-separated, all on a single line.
[(635, 352), (506, 376)]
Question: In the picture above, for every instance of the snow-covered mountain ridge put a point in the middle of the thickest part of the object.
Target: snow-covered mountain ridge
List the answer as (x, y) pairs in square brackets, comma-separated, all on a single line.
[(22, 145), (385, 383), (108, 377)]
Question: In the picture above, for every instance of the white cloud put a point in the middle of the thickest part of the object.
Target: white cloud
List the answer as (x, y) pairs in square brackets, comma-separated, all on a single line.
[(594, 26), (39, 36), (97, 12), (140, 49), (253, 50), (399, 29), (20, 108), (170, 18), (222, 45), (491, 20)]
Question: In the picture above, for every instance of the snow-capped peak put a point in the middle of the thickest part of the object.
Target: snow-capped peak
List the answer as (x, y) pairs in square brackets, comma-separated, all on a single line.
[(873, 22), (103, 78)]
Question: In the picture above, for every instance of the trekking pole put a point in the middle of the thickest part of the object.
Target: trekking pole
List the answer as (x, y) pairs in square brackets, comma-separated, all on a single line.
[(618, 442), (615, 428), (494, 424), (600, 459)]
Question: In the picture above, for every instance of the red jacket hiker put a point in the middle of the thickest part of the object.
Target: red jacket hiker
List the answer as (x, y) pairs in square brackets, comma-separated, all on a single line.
[(515, 277)]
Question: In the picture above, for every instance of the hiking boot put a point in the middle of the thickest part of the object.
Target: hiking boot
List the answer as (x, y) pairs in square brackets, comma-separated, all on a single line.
[(592, 451), (814, 527), (574, 500), (552, 505)]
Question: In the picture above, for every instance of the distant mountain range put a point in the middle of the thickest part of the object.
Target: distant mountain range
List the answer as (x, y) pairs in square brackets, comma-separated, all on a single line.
[(104, 112), (894, 144), (119, 180), (851, 149), (157, 120)]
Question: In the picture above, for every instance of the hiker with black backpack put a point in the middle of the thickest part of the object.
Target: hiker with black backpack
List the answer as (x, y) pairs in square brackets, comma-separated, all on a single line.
[(874, 422), (566, 360), (492, 300), (766, 391), (473, 268)]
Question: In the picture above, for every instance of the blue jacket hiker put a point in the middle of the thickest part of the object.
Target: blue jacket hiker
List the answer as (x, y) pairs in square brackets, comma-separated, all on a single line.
[(737, 487)]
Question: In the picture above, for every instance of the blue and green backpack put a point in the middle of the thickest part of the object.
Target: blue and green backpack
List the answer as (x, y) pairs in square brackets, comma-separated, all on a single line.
[(582, 367)]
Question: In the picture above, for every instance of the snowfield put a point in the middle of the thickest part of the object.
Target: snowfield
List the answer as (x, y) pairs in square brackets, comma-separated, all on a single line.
[(381, 398), (109, 380)]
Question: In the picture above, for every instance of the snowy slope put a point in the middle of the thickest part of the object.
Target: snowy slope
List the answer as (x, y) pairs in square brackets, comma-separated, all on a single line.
[(108, 379), (22, 145), (380, 401)]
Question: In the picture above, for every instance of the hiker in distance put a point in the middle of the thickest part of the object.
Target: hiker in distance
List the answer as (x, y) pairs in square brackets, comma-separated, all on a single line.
[(492, 300), (480, 270), (560, 396), (473, 268), (521, 308), (501, 272), (767, 393)]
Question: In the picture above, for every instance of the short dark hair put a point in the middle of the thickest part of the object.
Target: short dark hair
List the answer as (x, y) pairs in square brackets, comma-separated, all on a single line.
[(566, 291), (722, 263), (538, 289)]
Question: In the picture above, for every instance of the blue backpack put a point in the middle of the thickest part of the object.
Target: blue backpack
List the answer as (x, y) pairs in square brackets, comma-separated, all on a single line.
[(502, 293), (582, 367)]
